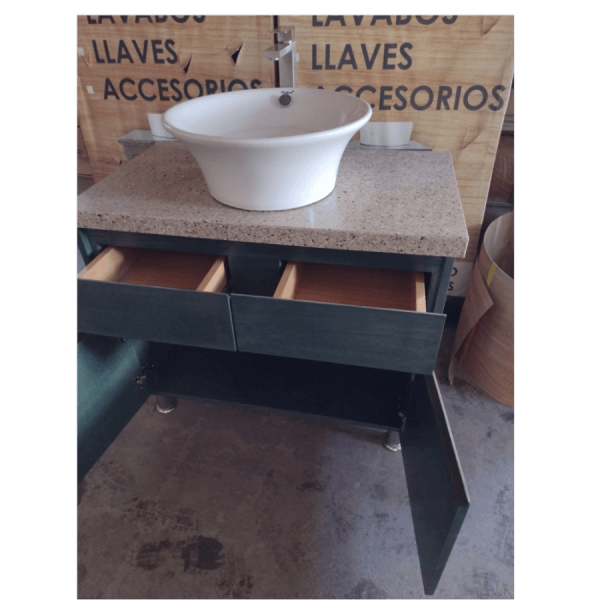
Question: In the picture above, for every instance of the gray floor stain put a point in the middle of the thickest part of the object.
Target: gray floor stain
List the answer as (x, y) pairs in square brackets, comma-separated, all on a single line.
[(456, 408), (504, 547), (503, 496), (379, 491), (235, 580), (488, 584), (344, 526), (203, 554), (116, 476), (197, 554), (365, 588), (153, 555), (310, 485), (151, 513)]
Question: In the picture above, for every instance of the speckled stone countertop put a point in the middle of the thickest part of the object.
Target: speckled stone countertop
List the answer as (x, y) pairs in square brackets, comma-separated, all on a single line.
[(399, 202)]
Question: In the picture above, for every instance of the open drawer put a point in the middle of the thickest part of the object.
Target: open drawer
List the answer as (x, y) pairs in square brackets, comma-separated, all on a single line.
[(350, 315), (156, 295)]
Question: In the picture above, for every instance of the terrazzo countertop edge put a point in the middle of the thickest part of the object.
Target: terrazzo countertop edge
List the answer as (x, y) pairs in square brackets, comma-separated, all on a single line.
[(335, 240), (399, 203)]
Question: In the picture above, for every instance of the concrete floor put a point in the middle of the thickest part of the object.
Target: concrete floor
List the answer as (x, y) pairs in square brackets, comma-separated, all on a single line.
[(219, 502)]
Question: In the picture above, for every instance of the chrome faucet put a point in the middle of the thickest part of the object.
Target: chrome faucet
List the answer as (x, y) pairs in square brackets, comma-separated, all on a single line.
[(284, 51)]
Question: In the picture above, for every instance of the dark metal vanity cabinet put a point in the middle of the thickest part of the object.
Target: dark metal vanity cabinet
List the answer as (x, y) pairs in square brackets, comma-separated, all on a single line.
[(340, 302), (365, 334)]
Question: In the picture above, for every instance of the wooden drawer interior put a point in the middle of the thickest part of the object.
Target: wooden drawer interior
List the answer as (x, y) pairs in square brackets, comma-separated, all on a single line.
[(356, 286), (160, 268)]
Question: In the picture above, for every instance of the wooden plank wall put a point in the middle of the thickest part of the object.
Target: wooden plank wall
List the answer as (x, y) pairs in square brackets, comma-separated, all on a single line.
[(449, 75), (134, 65)]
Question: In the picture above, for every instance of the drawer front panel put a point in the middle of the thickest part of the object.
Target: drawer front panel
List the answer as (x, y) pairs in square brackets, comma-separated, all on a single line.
[(368, 337), (156, 314)]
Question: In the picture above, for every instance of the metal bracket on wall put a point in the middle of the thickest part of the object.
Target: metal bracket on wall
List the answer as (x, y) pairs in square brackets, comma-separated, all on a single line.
[(142, 379)]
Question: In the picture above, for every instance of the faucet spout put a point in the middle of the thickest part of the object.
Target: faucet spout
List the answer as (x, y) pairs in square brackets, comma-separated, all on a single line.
[(279, 50), (284, 52)]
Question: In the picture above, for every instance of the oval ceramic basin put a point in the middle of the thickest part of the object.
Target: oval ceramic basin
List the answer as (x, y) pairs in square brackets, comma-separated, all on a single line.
[(256, 154)]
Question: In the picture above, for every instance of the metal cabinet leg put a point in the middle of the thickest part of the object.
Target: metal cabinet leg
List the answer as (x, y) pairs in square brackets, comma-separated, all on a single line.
[(391, 441), (165, 404)]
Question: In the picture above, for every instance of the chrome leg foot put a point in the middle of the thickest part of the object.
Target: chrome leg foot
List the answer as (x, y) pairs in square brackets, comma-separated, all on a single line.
[(391, 441), (165, 404)]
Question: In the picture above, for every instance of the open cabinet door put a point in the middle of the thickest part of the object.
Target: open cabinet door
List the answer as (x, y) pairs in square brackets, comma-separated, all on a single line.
[(436, 487), (107, 394)]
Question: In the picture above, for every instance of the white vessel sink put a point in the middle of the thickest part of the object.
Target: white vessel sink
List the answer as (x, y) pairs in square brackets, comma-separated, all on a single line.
[(257, 154)]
